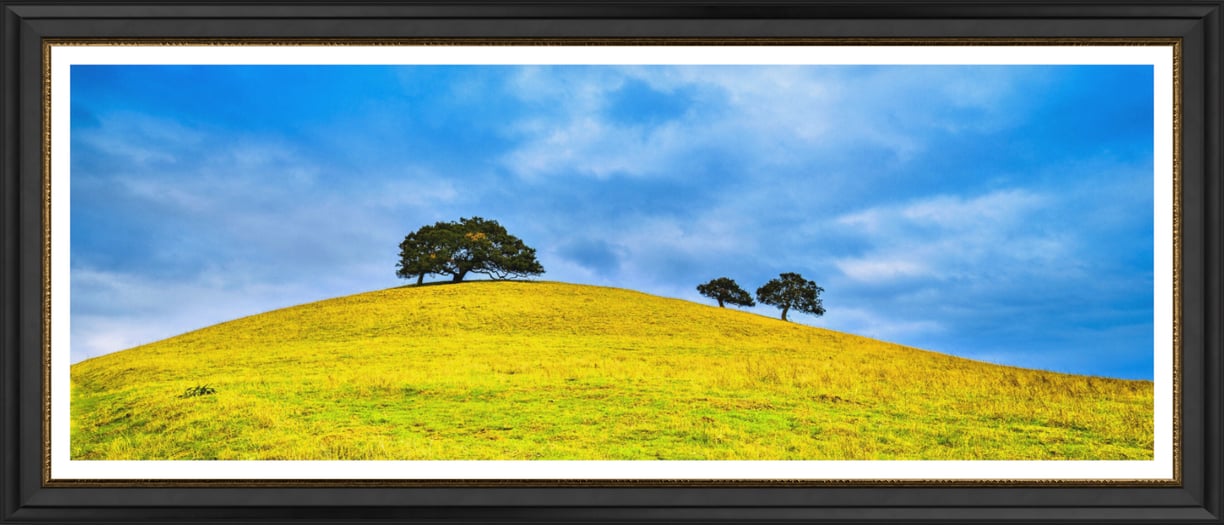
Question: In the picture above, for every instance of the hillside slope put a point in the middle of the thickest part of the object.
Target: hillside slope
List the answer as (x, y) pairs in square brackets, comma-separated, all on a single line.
[(538, 370)]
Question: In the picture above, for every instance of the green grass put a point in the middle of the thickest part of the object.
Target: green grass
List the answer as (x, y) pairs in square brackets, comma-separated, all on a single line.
[(539, 370)]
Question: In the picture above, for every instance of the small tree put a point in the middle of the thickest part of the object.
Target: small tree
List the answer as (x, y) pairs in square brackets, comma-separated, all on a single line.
[(725, 290), (791, 290), (473, 245)]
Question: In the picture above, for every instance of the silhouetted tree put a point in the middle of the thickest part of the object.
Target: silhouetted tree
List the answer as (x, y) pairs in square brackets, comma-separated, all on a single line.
[(472, 245), (792, 291), (725, 290)]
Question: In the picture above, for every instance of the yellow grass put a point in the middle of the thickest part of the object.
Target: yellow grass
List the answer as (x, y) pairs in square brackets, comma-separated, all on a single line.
[(536, 370)]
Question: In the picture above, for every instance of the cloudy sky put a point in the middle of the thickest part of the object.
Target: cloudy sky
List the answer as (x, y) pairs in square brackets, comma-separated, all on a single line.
[(1001, 213)]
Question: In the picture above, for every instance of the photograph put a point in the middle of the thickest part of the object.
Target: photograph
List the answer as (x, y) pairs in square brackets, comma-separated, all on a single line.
[(557, 260), (425, 262)]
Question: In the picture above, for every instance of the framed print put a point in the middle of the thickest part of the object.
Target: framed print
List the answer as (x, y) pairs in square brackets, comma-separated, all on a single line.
[(589, 262)]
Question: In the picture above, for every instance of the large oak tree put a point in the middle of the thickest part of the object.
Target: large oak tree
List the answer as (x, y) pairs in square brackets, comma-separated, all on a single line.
[(474, 245)]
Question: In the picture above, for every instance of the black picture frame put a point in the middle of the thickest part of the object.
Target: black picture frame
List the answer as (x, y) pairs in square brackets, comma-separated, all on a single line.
[(25, 497)]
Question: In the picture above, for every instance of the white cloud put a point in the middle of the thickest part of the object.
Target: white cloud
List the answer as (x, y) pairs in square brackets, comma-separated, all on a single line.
[(162, 194), (997, 235), (771, 116), (996, 209), (878, 269), (868, 323), (577, 138), (418, 188), (139, 139), (588, 145), (157, 308)]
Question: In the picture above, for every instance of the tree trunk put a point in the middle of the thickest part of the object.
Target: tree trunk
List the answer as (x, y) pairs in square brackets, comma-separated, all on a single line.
[(720, 305), (420, 279), (459, 276), (784, 309)]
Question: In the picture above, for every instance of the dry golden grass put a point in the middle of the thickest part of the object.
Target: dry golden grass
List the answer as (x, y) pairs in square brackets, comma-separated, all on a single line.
[(538, 370)]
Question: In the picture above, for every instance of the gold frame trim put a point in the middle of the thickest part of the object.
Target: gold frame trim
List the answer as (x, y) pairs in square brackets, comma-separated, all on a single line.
[(1174, 43)]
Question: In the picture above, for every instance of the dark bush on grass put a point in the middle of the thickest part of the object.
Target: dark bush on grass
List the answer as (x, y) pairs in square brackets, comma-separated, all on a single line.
[(197, 391)]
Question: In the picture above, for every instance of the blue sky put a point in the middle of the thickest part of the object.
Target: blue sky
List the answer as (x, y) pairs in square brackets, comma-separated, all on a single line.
[(1001, 213)]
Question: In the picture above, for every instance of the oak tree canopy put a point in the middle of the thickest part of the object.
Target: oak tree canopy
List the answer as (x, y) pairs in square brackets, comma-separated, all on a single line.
[(468, 246)]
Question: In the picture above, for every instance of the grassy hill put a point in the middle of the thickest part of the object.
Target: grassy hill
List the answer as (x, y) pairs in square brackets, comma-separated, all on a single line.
[(537, 370)]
